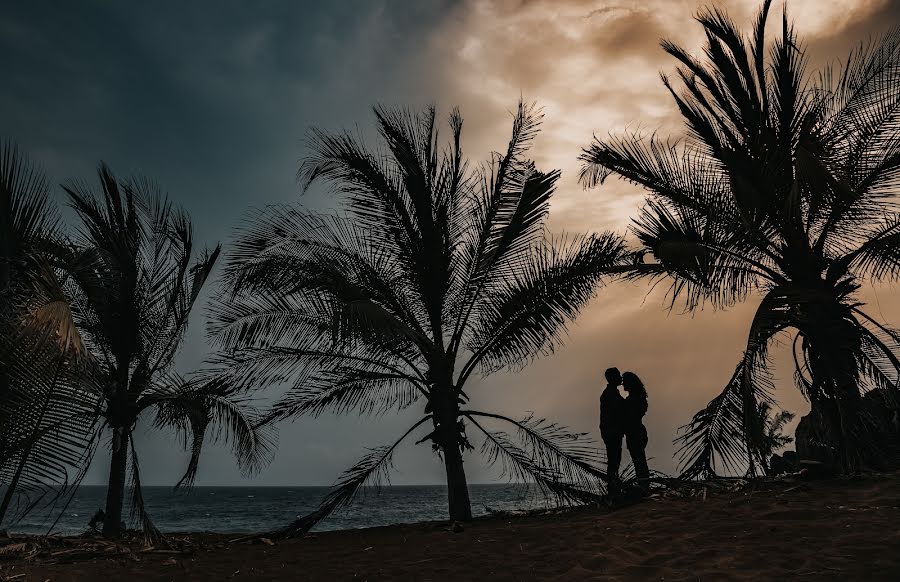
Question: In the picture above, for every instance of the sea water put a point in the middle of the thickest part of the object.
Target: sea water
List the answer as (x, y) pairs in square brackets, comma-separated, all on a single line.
[(250, 509)]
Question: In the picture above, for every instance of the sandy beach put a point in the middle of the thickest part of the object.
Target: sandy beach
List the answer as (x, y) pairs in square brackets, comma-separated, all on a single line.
[(820, 530)]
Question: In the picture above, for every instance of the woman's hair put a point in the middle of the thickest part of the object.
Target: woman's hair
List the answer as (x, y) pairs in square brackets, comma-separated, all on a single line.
[(631, 382)]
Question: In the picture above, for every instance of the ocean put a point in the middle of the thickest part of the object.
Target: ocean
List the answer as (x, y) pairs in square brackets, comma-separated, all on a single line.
[(251, 509)]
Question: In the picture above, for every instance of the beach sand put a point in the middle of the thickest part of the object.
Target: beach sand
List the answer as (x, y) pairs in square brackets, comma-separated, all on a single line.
[(847, 529)]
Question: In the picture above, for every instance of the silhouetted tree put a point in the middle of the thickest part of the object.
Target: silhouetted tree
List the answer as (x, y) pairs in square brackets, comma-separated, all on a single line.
[(435, 272), (785, 184), (773, 437), (135, 283), (46, 421)]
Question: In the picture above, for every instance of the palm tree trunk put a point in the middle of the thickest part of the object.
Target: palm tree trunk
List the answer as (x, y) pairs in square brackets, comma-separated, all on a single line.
[(835, 411), (115, 493), (457, 489), (450, 436), (848, 423), (450, 440)]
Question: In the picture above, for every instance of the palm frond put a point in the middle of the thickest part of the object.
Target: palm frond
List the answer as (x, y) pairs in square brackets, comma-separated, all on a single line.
[(327, 264), (564, 465), (47, 422), (500, 218), (727, 435), (700, 257), (27, 215), (372, 187), (879, 358), (526, 313), (348, 389), (138, 508), (198, 410), (372, 469), (879, 256)]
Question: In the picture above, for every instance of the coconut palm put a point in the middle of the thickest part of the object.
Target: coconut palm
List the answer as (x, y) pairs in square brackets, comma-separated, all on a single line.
[(773, 437), (45, 420), (135, 282), (435, 272), (785, 184)]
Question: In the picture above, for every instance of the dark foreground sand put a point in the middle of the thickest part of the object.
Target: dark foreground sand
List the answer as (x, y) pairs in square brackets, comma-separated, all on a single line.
[(840, 530)]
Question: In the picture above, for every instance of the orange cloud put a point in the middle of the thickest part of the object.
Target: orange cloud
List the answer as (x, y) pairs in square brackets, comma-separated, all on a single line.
[(594, 66)]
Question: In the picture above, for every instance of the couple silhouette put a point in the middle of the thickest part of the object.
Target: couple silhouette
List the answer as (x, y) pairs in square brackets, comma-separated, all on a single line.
[(624, 417)]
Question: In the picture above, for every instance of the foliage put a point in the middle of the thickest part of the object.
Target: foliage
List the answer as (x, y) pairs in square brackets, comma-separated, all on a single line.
[(785, 184), (129, 282), (773, 425), (46, 425), (434, 271)]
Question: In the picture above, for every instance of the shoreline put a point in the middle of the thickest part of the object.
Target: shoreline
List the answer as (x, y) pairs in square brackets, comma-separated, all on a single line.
[(832, 529), (236, 511)]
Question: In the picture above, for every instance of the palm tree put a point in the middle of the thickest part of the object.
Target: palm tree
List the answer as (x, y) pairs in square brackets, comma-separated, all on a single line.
[(135, 284), (786, 184), (772, 427), (435, 272), (45, 420)]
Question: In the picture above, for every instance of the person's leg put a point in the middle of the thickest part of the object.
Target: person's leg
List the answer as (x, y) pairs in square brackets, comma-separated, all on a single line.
[(637, 448), (613, 455)]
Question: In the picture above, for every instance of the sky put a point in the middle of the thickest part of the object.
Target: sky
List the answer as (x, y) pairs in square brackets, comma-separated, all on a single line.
[(213, 101)]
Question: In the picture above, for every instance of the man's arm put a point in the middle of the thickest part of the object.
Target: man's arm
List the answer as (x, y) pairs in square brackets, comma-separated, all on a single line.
[(603, 398), (600, 412)]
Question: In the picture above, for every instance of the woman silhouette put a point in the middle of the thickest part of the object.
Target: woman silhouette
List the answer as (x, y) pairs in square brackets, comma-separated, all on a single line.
[(635, 431)]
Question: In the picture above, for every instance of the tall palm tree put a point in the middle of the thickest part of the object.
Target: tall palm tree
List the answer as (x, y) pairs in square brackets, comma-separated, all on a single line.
[(435, 272), (786, 184), (45, 420), (135, 284)]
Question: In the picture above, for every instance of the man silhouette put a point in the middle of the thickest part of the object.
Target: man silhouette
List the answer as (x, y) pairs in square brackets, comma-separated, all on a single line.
[(612, 409)]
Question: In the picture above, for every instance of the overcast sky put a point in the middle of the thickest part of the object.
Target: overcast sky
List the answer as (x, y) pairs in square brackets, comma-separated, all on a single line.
[(213, 100)]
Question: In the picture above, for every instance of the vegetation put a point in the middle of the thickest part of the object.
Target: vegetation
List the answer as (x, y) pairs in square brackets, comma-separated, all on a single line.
[(435, 272), (116, 303), (773, 425), (136, 284), (785, 184), (45, 420)]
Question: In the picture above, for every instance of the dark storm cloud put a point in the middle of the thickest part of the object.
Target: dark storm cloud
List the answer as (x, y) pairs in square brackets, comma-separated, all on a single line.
[(212, 100), (191, 90)]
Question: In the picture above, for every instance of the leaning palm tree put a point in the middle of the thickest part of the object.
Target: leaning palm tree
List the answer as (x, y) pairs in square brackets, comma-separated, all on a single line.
[(434, 273), (135, 282), (45, 420), (785, 184)]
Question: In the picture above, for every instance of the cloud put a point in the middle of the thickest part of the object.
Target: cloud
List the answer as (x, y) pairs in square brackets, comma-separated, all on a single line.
[(214, 104), (594, 66)]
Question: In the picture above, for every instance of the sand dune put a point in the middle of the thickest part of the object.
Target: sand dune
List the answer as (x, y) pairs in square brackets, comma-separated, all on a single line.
[(841, 529)]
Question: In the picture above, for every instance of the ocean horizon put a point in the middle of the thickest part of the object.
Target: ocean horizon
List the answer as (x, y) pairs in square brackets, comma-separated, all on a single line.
[(240, 509)]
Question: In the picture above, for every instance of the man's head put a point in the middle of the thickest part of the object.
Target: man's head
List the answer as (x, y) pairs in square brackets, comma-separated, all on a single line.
[(613, 376)]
